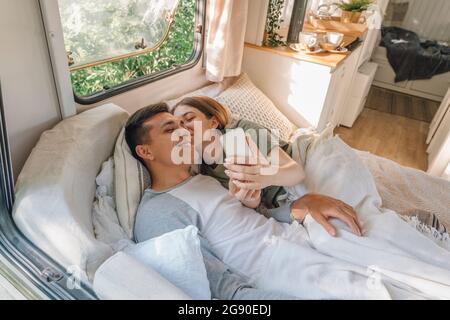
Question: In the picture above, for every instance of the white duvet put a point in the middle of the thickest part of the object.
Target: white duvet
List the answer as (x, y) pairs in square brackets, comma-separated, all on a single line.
[(391, 261), (104, 215)]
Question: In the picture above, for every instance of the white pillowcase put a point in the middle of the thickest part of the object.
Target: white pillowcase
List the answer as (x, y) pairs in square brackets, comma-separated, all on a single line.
[(131, 178), (246, 101), (178, 258), (123, 277), (55, 189)]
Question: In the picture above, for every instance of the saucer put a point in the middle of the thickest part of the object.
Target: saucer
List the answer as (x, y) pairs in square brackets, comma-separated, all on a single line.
[(343, 50), (295, 48)]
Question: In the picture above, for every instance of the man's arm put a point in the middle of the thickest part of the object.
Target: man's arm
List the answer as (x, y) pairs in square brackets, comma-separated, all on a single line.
[(225, 284), (165, 213), (281, 213), (321, 208)]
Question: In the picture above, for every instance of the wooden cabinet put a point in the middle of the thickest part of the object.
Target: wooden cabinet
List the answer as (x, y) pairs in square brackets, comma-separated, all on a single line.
[(309, 94)]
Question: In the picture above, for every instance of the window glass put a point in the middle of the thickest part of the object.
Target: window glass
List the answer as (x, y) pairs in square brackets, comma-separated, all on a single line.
[(112, 42), (104, 29)]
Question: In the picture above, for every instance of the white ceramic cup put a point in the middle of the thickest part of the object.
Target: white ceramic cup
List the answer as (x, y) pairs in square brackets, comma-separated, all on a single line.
[(308, 39), (334, 38)]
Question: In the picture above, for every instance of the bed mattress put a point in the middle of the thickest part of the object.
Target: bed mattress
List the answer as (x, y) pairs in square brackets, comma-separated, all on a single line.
[(411, 192)]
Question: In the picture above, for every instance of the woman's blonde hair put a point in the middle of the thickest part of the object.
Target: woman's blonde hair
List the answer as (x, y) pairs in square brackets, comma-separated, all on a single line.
[(209, 107)]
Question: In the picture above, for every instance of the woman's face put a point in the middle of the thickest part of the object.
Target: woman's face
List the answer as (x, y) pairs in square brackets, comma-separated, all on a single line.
[(190, 115)]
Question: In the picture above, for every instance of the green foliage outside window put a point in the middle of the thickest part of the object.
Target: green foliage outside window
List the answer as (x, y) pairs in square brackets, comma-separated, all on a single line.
[(176, 50), (273, 24)]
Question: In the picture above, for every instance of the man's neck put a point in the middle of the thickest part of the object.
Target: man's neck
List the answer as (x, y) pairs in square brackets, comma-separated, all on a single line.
[(166, 177)]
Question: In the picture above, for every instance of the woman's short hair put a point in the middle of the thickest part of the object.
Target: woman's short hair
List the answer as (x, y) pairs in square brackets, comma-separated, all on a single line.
[(209, 107)]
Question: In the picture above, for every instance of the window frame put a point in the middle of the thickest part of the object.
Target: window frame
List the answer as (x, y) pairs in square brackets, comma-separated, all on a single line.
[(199, 39), (32, 272)]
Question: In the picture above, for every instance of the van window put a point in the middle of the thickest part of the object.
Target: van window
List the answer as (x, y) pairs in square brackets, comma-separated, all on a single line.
[(113, 45)]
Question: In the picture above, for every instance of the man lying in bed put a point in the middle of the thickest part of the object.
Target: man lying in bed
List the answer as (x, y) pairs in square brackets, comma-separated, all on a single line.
[(237, 242)]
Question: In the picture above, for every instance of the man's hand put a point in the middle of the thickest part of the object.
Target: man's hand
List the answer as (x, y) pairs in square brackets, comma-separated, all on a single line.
[(321, 208), (249, 198)]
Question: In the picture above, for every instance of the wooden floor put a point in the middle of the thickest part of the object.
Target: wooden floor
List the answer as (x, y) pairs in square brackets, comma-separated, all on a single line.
[(391, 136), (401, 104)]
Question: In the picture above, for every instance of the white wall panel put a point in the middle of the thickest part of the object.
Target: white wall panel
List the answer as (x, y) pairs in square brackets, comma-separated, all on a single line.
[(430, 19), (29, 92)]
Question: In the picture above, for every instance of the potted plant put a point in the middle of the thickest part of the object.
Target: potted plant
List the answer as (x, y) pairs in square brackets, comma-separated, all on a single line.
[(273, 23), (352, 9)]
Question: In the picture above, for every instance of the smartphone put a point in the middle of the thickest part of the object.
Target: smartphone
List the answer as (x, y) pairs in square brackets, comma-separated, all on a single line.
[(234, 143)]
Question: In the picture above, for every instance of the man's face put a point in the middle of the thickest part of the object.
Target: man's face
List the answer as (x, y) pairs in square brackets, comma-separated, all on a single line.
[(160, 142)]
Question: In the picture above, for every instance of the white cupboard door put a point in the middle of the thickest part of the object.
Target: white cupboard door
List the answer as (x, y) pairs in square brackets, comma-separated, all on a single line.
[(349, 71), (371, 40), (334, 95), (443, 108)]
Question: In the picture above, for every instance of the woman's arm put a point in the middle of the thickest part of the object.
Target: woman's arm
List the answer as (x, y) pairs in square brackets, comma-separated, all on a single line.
[(290, 172), (278, 169)]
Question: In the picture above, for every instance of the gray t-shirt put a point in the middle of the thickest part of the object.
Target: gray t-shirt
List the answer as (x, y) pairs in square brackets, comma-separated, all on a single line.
[(162, 212)]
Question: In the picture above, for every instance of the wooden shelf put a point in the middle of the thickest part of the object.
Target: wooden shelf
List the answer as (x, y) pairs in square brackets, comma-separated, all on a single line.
[(331, 60), (350, 29)]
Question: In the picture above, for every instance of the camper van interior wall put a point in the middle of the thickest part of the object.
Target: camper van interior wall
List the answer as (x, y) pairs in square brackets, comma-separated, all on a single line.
[(224, 150)]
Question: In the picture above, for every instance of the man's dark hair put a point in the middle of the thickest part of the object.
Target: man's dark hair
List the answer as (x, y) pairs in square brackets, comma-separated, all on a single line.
[(136, 132)]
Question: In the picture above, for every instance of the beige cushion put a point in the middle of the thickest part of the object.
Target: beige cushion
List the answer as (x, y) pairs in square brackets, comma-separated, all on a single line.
[(131, 178), (56, 188), (246, 101)]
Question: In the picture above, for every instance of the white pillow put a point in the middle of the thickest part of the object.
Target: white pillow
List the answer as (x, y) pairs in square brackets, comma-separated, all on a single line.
[(56, 187), (123, 277), (245, 101), (131, 178), (107, 227), (177, 257)]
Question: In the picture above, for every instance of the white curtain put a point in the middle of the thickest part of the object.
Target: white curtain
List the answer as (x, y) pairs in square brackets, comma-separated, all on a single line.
[(227, 21), (446, 174)]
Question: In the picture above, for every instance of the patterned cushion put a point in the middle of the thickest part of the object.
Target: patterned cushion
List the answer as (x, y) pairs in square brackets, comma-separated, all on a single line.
[(245, 101)]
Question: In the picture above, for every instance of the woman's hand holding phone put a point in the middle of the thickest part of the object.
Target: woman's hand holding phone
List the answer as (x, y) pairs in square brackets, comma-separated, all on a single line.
[(249, 198), (251, 172)]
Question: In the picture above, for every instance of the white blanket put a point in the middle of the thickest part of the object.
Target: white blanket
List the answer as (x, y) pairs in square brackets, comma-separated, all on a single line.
[(410, 192), (104, 215), (391, 261)]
